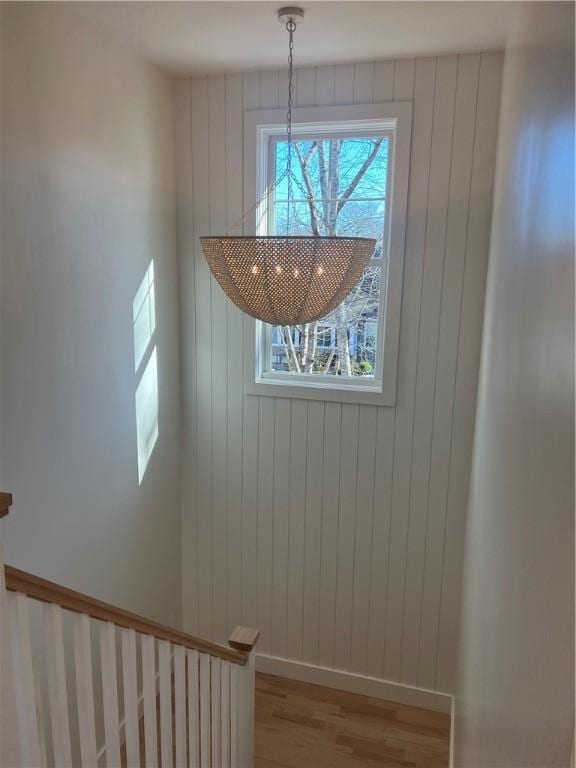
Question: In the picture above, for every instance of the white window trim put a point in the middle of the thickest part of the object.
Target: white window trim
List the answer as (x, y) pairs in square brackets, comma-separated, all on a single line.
[(389, 116)]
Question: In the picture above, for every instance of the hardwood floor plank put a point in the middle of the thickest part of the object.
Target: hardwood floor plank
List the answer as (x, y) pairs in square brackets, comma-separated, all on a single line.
[(299, 725)]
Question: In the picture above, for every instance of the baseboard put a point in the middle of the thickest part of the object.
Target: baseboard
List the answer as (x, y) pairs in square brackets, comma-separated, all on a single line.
[(348, 681)]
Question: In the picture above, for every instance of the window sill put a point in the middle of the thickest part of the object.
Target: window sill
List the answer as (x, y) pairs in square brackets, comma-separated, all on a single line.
[(326, 392)]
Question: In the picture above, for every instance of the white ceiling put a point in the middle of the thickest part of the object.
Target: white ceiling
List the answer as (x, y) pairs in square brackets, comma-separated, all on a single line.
[(199, 37)]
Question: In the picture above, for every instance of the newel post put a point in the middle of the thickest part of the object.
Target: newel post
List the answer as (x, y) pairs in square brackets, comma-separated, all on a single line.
[(5, 503), (245, 639)]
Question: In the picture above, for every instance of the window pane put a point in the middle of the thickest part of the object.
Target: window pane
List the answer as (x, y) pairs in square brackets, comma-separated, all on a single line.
[(342, 344), (295, 219), (334, 168), (352, 219)]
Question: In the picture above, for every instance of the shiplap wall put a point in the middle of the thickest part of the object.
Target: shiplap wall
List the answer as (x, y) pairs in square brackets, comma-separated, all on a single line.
[(337, 529)]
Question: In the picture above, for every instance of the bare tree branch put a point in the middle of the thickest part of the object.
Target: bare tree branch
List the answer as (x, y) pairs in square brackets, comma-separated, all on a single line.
[(289, 348), (361, 171), (309, 189)]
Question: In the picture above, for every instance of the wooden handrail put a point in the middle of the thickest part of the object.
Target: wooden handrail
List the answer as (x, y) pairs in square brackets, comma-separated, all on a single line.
[(49, 592), (5, 503)]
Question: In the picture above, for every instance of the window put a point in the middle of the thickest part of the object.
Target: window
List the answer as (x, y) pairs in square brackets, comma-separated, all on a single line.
[(340, 188), (350, 169)]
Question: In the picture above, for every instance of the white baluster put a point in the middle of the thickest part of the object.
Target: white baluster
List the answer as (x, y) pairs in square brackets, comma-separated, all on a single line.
[(193, 715), (84, 689), (246, 682), (165, 702), (110, 693), (129, 676), (149, 692), (24, 681), (57, 692), (205, 761), (234, 716), (180, 705), (215, 666), (225, 713)]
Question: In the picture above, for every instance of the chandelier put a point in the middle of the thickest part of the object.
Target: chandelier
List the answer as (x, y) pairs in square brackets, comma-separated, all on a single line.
[(287, 279)]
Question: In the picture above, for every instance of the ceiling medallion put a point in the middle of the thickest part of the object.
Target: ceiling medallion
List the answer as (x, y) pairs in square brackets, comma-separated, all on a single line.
[(282, 279)]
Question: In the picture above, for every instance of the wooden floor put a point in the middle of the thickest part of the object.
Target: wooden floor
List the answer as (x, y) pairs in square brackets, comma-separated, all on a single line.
[(299, 725)]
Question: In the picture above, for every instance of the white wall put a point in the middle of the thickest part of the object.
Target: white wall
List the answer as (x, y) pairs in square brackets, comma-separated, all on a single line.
[(87, 202), (338, 529), (516, 687)]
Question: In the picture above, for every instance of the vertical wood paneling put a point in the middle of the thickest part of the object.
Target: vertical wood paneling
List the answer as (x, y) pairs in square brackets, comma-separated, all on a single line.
[(456, 231), (305, 87), (364, 502), (202, 299), (346, 534), (477, 242), (338, 529), (380, 541), (217, 187), (383, 81), (412, 80), (269, 89), (280, 529), (324, 87), (313, 531), (266, 421), (283, 87), (329, 534), (438, 183), (363, 83), (297, 526), (234, 360), (384, 72), (250, 419), (344, 83), (187, 311)]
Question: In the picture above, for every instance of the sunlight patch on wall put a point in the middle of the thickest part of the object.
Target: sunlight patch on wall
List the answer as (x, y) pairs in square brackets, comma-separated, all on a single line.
[(147, 413), (146, 397), (144, 315)]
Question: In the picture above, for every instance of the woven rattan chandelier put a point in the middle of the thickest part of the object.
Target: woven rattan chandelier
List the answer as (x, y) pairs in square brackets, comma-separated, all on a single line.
[(283, 279)]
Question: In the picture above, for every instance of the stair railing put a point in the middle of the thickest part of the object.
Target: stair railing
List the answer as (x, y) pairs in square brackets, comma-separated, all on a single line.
[(88, 684)]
